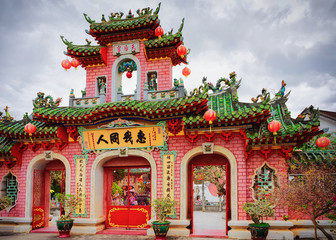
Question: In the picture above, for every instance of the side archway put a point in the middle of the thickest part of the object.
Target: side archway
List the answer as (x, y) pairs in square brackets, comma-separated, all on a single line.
[(116, 77), (97, 179), (39, 162), (184, 178)]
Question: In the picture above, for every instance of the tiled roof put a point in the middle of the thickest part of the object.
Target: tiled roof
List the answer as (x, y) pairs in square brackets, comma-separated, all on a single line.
[(147, 110), (321, 158), (5, 146), (328, 114), (116, 28), (15, 129), (229, 112), (291, 129)]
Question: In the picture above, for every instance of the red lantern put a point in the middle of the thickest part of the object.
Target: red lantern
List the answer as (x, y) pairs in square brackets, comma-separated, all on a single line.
[(66, 64), (186, 72), (181, 51), (274, 126), (323, 142), (158, 32), (74, 63), (129, 74), (30, 128), (210, 115)]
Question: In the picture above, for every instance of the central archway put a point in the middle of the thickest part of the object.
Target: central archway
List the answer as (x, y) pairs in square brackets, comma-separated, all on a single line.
[(97, 179)]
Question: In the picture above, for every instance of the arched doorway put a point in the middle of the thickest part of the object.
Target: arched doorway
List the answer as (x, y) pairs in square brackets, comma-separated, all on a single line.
[(127, 192), (233, 179), (36, 172), (48, 179), (203, 171), (98, 202)]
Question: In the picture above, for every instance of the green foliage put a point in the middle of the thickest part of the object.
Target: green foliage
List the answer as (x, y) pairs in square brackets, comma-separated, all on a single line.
[(116, 188), (258, 209), (118, 174), (69, 202), (163, 207), (5, 202), (213, 174)]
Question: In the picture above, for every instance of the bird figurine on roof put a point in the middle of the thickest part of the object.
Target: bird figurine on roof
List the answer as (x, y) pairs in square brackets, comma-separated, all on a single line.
[(282, 90)]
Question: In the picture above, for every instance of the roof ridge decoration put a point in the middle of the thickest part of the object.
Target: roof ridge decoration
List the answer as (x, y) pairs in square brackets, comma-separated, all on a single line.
[(232, 83), (118, 15), (48, 101)]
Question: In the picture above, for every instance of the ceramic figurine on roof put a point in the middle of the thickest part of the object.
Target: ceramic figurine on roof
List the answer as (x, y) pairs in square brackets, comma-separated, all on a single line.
[(145, 143), (48, 101)]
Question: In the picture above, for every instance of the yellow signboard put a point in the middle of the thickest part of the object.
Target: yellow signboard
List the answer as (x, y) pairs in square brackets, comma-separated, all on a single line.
[(132, 137)]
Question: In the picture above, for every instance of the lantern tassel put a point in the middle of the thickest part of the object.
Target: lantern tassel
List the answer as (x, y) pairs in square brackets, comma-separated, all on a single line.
[(275, 133)]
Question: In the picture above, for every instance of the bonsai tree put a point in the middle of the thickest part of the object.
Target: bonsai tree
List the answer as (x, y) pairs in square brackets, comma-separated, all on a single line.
[(258, 210), (69, 202), (5, 202), (163, 207)]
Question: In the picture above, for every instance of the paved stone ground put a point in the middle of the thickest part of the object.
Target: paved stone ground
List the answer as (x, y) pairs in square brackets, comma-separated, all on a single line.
[(209, 220), (46, 236)]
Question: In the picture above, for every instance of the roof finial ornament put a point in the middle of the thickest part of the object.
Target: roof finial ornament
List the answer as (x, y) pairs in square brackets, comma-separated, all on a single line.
[(181, 26), (88, 42), (157, 9), (66, 42), (103, 18), (116, 15), (282, 90), (88, 19), (130, 15)]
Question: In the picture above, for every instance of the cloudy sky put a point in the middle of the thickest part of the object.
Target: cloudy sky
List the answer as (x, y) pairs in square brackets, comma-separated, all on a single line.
[(263, 41)]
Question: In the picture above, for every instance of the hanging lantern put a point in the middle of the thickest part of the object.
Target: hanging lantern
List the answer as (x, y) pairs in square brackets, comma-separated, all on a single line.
[(158, 32), (210, 116), (74, 63), (274, 127), (181, 51), (322, 142), (186, 72), (129, 74), (66, 64), (30, 128)]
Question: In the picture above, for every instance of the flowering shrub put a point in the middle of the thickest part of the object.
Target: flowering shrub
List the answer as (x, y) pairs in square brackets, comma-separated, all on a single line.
[(69, 202), (258, 209), (163, 207)]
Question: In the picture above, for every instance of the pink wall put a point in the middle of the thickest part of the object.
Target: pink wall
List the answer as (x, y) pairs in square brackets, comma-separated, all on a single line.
[(245, 169), (162, 66)]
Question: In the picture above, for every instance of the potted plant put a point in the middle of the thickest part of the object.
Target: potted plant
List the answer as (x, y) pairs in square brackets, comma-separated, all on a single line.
[(163, 207), (5, 202), (69, 203), (257, 210)]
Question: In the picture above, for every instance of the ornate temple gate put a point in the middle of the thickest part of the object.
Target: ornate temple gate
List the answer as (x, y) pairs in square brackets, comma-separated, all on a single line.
[(127, 192), (209, 160), (38, 199)]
